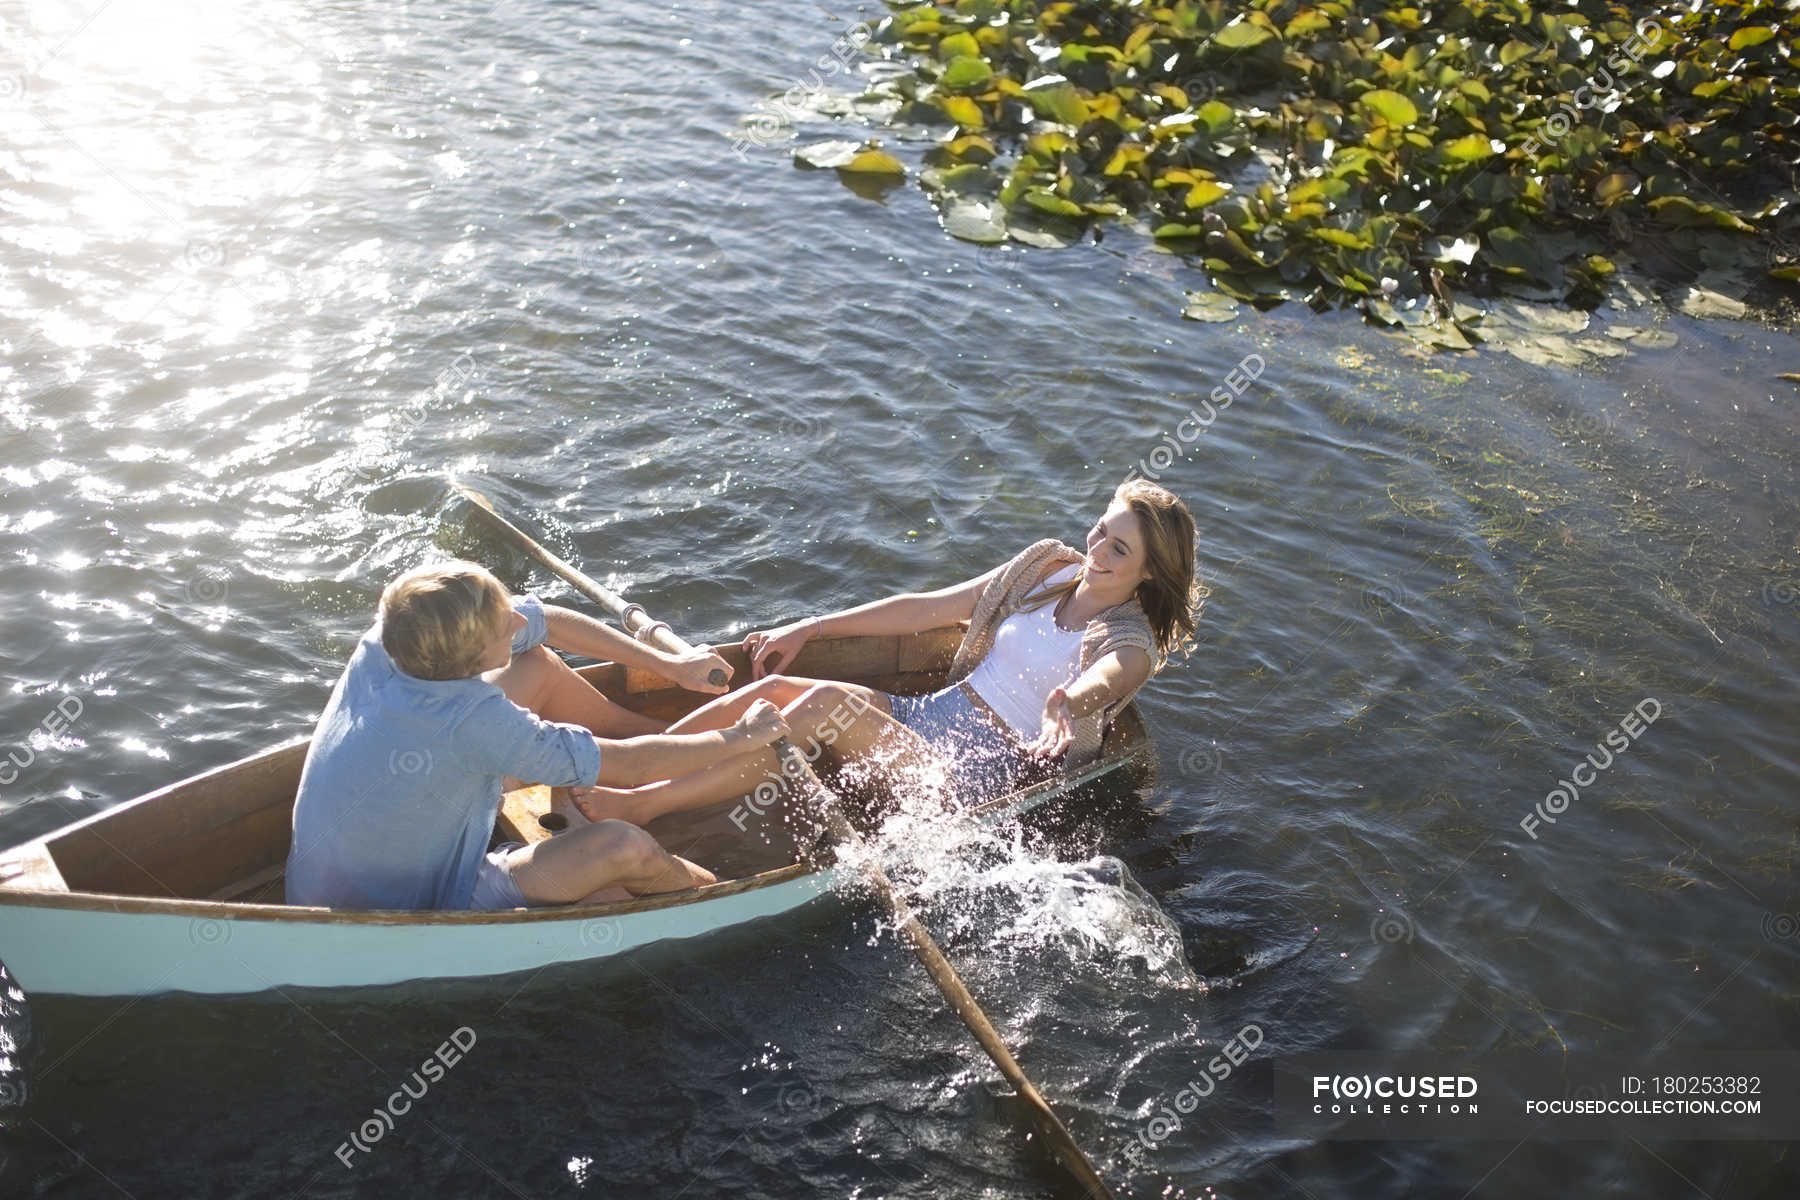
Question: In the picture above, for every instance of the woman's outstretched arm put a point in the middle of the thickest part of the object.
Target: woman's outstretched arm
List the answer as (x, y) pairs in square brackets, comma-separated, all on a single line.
[(913, 612), (1117, 674)]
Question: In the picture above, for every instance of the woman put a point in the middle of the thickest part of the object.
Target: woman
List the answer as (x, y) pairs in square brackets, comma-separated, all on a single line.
[(1057, 641)]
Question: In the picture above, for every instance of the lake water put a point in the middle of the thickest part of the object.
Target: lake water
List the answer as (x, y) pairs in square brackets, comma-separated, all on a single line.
[(272, 271)]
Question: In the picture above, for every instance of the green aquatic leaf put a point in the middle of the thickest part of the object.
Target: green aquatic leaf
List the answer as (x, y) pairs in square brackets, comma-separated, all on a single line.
[(975, 221), (959, 45), (872, 162), (1306, 24), (1057, 101), (964, 111), (825, 155), (1472, 148), (1206, 192), (1217, 116), (1242, 34), (1342, 237), (1515, 252), (1514, 51), (970, 147), (1391, 106), (965, 74), (1212, 307), (966, 179), (1679, 210), (1750, 35), (1614, 188), (1049, 202)]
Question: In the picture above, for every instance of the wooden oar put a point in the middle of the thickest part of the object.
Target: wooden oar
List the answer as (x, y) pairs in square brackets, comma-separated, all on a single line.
[(631, 616), (1056, 1134)]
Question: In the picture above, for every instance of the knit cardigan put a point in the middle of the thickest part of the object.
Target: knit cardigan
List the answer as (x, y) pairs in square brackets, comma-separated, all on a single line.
[(1116, 628)]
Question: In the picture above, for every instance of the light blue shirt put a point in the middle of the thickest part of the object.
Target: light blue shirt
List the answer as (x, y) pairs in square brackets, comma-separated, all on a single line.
[(402, 782)]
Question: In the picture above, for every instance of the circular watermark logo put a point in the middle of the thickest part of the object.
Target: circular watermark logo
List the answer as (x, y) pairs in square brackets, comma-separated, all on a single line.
[(999, 259), (1382, 596), (1781, 926), (601, 933), (1198, 87), (409, 762), (203, 256), (1201, 760), (795, 1101), (803, 431), (209, 586), (204, 931), (1391, 929)]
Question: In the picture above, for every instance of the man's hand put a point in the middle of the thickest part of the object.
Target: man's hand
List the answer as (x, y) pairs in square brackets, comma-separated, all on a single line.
[(761, 724), (1057, 730), (694, 669)]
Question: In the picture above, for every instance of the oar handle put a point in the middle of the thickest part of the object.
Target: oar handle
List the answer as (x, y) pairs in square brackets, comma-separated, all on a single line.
[(949, 983), (631, 616)]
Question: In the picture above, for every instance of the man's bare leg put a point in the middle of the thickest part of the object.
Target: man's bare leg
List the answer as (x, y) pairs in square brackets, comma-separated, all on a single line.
[(539, 680), (717, 713), (834, 716), (603, 861)]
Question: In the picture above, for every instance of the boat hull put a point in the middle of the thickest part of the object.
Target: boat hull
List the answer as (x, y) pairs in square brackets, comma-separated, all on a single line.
[(97, 952), (179, 889)]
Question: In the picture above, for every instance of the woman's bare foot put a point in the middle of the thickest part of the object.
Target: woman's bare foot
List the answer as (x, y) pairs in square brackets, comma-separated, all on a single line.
[(607, 803)]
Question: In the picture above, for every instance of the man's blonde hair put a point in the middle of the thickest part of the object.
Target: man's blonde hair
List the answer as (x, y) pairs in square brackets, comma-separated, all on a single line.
[(436, 620)]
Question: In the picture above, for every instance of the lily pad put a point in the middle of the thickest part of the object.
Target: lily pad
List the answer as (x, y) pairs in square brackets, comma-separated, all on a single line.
[(1242, 34), (1642, 338), (964, 74), (1391, 106), (1472, 148), (1547, 350), (1213, 307), (1366, 150), (1055, 99), (1702, 302), (977, 221), (872, 162), (825, 155)]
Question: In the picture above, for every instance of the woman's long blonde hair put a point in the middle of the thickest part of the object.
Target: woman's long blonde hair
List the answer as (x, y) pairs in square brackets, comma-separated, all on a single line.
[(1173, 597)]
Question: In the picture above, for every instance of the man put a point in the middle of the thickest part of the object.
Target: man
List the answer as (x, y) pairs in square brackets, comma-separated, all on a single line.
[(451, 693)]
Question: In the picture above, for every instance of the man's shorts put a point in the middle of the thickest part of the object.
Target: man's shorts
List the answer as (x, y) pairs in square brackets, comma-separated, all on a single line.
[(494, 886)]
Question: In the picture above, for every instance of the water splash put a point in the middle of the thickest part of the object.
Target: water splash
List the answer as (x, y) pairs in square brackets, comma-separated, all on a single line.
[(15, 1035), (985, 886)]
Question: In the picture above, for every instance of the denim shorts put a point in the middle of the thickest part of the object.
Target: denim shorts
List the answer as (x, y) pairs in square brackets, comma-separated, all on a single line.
[(494, 886), (983, 763)]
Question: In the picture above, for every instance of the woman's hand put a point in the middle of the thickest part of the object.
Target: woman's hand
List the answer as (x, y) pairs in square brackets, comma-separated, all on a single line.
[(694, 669), (761, 724), (780, 645), (1057, 732)]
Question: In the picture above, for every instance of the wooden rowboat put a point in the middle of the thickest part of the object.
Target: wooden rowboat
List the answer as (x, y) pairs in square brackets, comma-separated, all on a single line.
[(181, 889)]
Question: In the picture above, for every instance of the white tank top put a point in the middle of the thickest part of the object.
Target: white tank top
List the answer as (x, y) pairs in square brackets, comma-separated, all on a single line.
[(1030, 656)]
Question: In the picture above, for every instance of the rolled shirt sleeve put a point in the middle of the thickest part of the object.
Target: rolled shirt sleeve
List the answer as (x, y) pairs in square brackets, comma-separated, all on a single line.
[(499, 737), (537, 625)]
